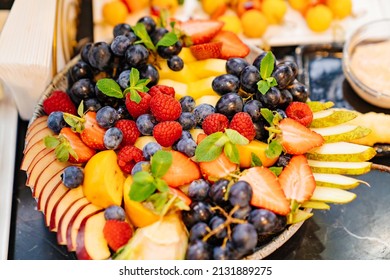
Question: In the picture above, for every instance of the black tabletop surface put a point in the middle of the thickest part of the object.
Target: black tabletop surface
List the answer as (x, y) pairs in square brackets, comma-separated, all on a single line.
[(358, 230)]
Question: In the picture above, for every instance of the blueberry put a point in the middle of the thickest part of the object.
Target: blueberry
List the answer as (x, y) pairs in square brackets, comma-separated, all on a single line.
[(72, 176), (151, 73), (240, 194), (235, 65), (106, 100), (145, 124), (92, 104), (169, 51), (106, 117), (81, 90), (100, 56), (187, 103), (136, 56), (198, 189), (114, 212), (225, 83), (121, 29), (157, 34), (185, 134), (113, 138), (120, 44), (81, 70), (150, 149), (175, 63), (187, 120), (202, 111), (149, 23), (56, 122), (140, 166), (186, 146), (124, 79), (229, 104)]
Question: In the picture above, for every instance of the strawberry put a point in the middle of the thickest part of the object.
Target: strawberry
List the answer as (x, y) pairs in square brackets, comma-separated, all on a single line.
[(215, 122), (181, 195), (296, 138), (206, 50), (161, 89), (182, 170), (167, 133), (92, 134), (165, 108), (128, 156), (137, 109), (59, 101), (297, 180), (300, 112), (200, 30), (221, 167), (129, 130), (267, 192), (243, 124), (117, 233), (73, 147), (232, 45)]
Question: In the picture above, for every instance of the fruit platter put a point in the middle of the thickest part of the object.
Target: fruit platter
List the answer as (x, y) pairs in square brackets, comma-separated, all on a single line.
[(177, 140)]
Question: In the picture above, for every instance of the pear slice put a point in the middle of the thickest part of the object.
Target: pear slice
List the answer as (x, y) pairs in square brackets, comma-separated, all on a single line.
[(317, 106), (340, 167), (342, 151), (299, 216), (342, 132), (319, 205), (337, 181), (332, 117), (332, 195)]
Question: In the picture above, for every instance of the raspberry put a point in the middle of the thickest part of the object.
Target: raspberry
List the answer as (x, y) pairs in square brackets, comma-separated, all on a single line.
[(214, 123), (128, 156), (59, 101), (242, 122), (129, 130), (300, 112), (137, 109), (165, 107), (117, 233), (167, 133), (162, 89)]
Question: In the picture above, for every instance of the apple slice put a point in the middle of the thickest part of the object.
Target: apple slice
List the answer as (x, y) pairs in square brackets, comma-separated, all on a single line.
[(31, 154), (74, 225), (342, 151), (38, 157), (342, 132), (37, 127), (39, 167), (332, 195), (63, 205), (39, 135), (340, 167), (332, 117), (52, 169), (64, 221), (336, 181), (53, 199), (42, 194), (33, 126), (91, 244)]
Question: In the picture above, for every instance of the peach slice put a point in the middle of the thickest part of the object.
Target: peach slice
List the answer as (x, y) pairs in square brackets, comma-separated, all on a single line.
[(52, 200)]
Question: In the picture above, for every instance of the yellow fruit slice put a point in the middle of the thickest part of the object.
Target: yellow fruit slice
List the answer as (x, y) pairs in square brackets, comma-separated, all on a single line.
[(207, 67), (257, 148)]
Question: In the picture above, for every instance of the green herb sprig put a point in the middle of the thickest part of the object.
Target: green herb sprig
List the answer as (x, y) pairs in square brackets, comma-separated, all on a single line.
[(266, 69)]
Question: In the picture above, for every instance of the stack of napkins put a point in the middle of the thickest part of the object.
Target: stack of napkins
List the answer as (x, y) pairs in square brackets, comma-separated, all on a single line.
[(32, 50)]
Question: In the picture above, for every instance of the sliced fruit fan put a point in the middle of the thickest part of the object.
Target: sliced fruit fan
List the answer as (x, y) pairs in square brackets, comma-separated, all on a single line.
[(176, 141)]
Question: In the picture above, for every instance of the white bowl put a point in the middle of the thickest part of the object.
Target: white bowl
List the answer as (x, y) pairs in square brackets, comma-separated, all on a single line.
[(366, 62)]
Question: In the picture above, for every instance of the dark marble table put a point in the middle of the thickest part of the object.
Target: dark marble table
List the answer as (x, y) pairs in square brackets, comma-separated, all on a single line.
[(358, 230)]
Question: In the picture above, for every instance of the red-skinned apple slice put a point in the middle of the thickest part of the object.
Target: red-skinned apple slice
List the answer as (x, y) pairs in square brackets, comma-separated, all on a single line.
[(43, 194), (38, 136), (37, 127), (52, 169), (74, 225), (91, 244), (33, 126), (63, 205), (39, 156), (39, 167), (32, 155), (73, 210), (55, 196)]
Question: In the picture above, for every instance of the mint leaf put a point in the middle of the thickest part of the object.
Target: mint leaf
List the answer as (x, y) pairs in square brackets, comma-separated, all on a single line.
[(143, 186), (271, 81), (231, 152), (134, 77), (134, 96), (167, 40), (80, 109), (161, 185), (62, 154), (235, 137), (274, 149), (276, 170), (51, 142), (263, 86), (160, 163), (136, 85), (158, 200), (140, 31), (211, 147), (76, 123), (267, 66), (267, 115), (255, 160), (109, 87)]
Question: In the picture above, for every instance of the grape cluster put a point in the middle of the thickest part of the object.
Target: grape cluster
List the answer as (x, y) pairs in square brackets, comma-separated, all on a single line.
[(222, 224)]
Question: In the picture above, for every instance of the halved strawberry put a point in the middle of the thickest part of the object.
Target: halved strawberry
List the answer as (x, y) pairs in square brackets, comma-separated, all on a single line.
[(182, 170), (232, 45), (206, 50), (296, 138), (92, 134), (181, 195), (200, 30), (297, 180), (267, 192), (221, 167), (300, 112), (77, 150)]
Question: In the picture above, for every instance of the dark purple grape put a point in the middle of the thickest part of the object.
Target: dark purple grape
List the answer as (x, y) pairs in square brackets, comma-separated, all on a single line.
[(100, 56), (157, 34), (249, 78), (114, 212), (225, 83), (198, 250), (55, 121), (202, 111), (92, 104), (265, 221), (136, 56), (121, 29), (259, 58), (145, 124), (106, 117), (187, 103), (299, 92), (229, 104), (199, 212), (106, 100), (84, 52), (198, 231), (120, 44), (81, 70), (283, 75), (244, 238), (72, 176), (281, 113), (240, 194), (242, 213), (216, 222), (81, 90), (222, 253), (149, 23), (186, 146), (112, 138), (271, 99), (122, 112), (283, 160), (198, 189), (292, 65), (218, 190), (169, 51), (150, 149), (175, 63), (150, 72), (285, 98), (261, 133), (235, 65), (253, 108), (187, 120)]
